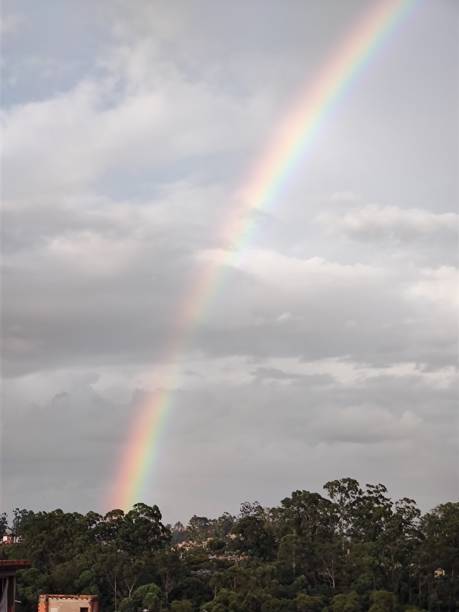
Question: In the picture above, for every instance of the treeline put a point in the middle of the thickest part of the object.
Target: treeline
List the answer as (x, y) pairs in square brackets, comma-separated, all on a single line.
[(350, 550)]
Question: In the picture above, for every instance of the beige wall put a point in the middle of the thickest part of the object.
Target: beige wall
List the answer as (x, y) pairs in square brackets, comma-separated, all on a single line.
[(68, 605)]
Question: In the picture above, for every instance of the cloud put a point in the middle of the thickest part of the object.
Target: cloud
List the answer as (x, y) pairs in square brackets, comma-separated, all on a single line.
[(294, 274), (109, 294), (329, 346), (279, 435), (337, 309), (373, 223), (439, 286), (74, 140), (365, 425), (275, 374)]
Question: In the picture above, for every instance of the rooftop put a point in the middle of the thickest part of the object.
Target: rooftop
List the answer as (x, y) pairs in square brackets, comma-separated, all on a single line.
[(14, 563)]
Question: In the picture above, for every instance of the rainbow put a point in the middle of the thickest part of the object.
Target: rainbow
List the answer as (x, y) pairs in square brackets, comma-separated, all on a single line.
[(291, 141)]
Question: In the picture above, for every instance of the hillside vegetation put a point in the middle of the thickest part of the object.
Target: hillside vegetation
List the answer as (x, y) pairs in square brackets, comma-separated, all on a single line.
[(352, 549)]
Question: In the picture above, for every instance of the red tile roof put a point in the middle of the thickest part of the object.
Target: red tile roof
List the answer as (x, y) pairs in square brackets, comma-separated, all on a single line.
[(61, 596), (14, 563)]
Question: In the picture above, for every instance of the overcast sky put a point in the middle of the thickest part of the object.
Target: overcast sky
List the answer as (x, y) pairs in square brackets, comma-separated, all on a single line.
[(330, 349)]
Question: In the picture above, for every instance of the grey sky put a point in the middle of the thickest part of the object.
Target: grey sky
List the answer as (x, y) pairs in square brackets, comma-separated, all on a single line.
[(331, 347)]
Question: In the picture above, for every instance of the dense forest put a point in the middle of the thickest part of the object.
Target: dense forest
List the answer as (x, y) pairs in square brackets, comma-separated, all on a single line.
[(351, 549)]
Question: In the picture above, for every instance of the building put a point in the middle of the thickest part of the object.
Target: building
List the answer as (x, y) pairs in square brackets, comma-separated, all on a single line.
[(9, 537), (8, 569), (68, 603)]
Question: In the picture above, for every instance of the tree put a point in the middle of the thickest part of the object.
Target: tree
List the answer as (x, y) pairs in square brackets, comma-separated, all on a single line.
[(182, 606), (254, 538), (306, 524), (345, 494), (356, 550), (3, 523), (146, 597), (348, 602), (440, 551), (382, 601), (308, 603)]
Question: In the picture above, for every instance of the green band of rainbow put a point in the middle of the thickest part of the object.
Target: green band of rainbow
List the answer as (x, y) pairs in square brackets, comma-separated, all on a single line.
[(292, 140)]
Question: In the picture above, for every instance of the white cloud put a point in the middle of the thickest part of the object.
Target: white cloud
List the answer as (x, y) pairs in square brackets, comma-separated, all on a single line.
[(373, 223), (71, 141), (293, 274), (439, 286), (92, 255)]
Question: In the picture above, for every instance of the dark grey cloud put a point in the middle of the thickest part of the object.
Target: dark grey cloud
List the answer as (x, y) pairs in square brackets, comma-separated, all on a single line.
[(112, 303), (400, 419)]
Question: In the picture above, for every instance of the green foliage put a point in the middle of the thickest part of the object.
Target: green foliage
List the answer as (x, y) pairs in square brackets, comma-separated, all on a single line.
[(346, 602), (225, 601), (32, 582), (382, 601), (253, 532), (145, 597), (353, 551), (182, 606), (3, 523), (308, 603)]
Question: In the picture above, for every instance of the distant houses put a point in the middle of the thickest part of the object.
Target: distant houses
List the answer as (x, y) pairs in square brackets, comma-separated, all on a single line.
[(205, 546), (9, 537)]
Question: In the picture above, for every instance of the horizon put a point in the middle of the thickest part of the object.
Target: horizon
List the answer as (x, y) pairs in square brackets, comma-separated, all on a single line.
[(254, 500)]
